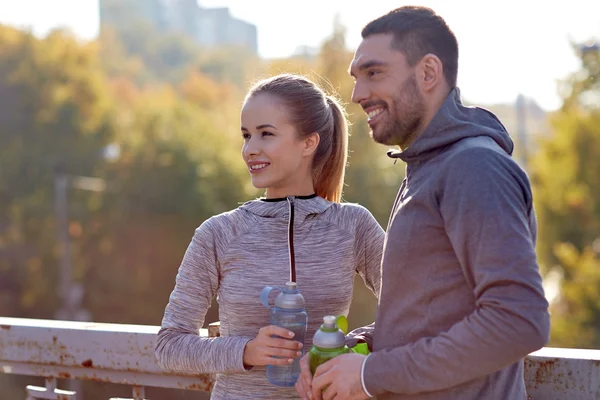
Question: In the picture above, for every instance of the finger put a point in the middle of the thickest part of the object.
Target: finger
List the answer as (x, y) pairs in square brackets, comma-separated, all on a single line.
[(305, 373), (316, 392), (283, 343), (279, 331), (279, 352), (268, 360), (323, 368), (300, 389), (330, 392), (303, 390), (308, 385), (305, 381), (320, 383)]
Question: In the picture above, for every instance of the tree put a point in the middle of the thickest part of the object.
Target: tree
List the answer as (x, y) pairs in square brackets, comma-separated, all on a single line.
[(179, 165), (565, 177), (53, 115)]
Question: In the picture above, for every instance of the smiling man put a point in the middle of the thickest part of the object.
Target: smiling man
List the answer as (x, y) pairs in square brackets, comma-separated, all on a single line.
[(461, 299)]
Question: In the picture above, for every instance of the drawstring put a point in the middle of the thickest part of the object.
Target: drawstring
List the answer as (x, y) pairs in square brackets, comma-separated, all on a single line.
[(291, 240), (395, 154)]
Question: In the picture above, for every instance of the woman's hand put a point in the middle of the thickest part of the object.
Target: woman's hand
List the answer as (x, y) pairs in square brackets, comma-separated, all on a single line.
[(262, 349)]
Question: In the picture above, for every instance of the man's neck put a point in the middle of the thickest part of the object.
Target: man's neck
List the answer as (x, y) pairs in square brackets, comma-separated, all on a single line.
[(432, 109)]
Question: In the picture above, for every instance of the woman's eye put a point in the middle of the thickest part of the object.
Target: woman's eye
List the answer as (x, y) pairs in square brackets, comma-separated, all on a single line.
[(246, 136), (267, 133)]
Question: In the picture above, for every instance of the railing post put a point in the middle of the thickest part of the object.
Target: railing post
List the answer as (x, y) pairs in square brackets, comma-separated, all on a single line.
[(138, 393), (50, 392), (214, 329)]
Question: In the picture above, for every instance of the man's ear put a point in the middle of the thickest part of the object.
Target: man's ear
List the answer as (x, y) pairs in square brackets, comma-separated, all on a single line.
[(311, 142), (431, 72)]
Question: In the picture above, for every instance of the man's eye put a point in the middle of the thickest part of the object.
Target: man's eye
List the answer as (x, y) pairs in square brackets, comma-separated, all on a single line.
[(373, 72)]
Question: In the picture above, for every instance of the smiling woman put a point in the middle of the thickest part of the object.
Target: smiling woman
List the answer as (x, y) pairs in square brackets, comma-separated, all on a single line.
[(312, 134), (278, 160), (295, 147), (295, 139)]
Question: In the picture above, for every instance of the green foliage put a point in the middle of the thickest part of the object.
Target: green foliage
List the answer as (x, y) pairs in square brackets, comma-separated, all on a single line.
[(566, 172), (576, 317), (53, 118)]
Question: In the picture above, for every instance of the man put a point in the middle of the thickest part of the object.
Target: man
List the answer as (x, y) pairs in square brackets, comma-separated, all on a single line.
[(461, 300)]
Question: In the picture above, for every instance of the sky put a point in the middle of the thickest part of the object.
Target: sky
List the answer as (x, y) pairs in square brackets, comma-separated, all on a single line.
[(506, 47)]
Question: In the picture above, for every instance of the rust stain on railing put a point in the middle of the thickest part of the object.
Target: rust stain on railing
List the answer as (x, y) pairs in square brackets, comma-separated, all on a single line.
[(544, 371)]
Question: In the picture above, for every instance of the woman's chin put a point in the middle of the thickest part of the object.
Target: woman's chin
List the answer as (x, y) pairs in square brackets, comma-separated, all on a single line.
[(260, 183)]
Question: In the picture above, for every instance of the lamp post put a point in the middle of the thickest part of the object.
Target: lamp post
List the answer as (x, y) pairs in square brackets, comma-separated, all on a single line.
[(521, 112), (71, 293)]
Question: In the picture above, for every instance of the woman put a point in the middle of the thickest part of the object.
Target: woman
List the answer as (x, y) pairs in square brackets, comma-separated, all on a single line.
[(295, 147)]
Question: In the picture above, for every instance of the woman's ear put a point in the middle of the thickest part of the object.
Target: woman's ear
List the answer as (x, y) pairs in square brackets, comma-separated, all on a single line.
[(311, 143)]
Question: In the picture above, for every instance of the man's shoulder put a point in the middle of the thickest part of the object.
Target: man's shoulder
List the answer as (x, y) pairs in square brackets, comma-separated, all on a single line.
[(476, 146), (478, 153), (479, 164)]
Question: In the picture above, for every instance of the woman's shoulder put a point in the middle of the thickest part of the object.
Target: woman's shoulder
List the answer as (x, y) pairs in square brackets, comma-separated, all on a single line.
[(351, 209), (349, 215), (226, 223)]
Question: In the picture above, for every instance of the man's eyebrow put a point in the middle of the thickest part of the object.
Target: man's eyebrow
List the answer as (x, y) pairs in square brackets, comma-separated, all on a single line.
[(368, 64)]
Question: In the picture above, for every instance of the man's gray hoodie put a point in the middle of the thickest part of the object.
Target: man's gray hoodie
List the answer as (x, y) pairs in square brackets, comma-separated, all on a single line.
[(461, 299)]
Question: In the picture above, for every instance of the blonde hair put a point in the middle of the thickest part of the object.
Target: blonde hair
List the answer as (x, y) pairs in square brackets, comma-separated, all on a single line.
[(311, 110)]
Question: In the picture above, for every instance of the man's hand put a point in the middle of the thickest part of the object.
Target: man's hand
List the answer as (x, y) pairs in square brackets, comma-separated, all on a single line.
[(303, 385), (339, 379)]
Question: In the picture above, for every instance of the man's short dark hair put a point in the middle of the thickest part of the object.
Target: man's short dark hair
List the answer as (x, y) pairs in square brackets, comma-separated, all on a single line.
[(419, 31)]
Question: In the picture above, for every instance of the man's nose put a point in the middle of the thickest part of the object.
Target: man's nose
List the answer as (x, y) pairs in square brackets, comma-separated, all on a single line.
[(360, 92)]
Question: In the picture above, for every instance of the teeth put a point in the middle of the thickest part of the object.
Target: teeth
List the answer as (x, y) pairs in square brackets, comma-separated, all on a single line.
[(258, 166), (375, 113)]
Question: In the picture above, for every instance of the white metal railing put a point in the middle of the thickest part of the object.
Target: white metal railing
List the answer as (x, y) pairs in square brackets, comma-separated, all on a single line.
[(560, 374), (124, 354), (112, 353)]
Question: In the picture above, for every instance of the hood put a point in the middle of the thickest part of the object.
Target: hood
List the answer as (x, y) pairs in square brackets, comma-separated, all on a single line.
[(452, 123), (280, 209), (294, 210)]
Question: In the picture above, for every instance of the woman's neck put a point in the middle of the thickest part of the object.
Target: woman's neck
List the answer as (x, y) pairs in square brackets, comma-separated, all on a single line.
[(279, 195), (276, 193)]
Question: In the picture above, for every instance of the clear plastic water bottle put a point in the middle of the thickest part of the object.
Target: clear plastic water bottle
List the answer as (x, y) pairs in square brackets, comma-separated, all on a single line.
[(289, 312)]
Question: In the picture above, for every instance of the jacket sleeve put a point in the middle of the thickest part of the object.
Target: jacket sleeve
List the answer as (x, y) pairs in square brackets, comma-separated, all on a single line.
[(179, 346), (369, 249), (486, 204)]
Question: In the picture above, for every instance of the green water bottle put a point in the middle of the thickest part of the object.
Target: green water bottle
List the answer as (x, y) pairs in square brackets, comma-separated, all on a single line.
[(328, 342)]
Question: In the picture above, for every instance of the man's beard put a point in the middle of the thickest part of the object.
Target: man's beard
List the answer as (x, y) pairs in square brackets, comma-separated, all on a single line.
[(405, 114)]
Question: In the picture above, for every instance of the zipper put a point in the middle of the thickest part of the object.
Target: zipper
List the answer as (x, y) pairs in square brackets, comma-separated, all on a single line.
[(290, 200)]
